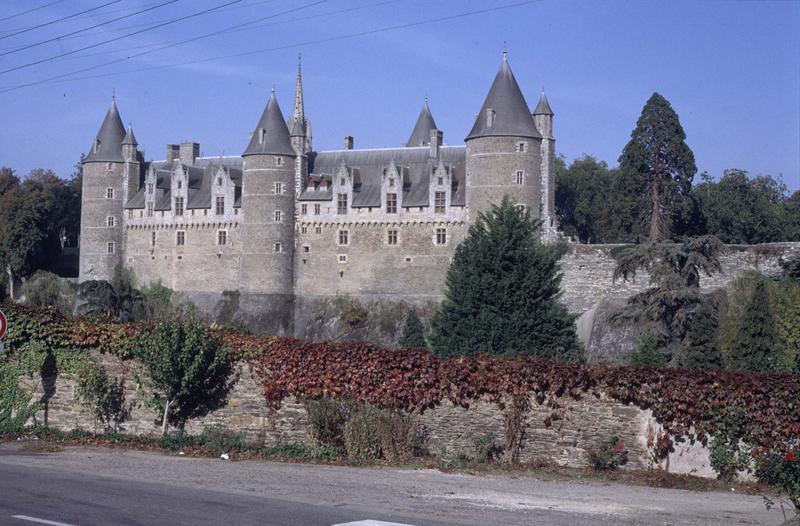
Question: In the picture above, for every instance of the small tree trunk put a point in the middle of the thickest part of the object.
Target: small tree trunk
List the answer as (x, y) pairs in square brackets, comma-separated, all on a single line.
[(164, 421)]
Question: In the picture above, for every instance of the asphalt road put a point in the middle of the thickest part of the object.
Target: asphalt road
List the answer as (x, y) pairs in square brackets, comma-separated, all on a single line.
[(93, 486)]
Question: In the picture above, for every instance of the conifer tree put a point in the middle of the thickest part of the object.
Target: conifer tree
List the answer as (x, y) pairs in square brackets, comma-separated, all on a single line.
[(501, 293), (756, 346), (657, 164), (700, 349), (413, 332)]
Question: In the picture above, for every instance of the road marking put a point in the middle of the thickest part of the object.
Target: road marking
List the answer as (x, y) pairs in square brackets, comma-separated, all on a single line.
[(40, 521), (372, 523)]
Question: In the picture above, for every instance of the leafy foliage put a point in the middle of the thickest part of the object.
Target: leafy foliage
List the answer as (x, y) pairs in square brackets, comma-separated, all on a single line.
[(46, 289), (104, 397), (728, 454), (610, 454), (413, 331), (502, 293), (756, 347), (780, 466)]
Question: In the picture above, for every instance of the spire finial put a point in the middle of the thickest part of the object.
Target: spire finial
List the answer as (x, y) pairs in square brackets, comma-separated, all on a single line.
[(505, 50), (426, 99), (273, 88), (113, 94), (299, 60)]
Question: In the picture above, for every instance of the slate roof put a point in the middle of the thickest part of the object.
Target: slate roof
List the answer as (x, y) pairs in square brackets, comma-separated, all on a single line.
[(276, 133), (415, 165), (108, 143), (421, 135), (543, 108), (199, 187), (512, 116)]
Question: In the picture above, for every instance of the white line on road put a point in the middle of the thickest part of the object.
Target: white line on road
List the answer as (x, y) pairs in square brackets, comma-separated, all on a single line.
[(40, 521), (372, 523)]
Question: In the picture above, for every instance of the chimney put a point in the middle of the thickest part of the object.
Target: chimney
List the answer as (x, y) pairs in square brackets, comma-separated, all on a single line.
[(173, 151), (348, 142), (189, 151), (436, 142)]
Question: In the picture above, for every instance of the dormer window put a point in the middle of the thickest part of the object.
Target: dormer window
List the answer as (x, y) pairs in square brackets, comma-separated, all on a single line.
[(440, 181), (180, 184), (342, 182), (391, 182), (262, 133), (219, 181), (489, 117)]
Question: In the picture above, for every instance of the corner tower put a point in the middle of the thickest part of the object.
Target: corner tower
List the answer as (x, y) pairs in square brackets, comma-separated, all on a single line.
[(543, 117), (503, 149), (105, 170), (268, 195)]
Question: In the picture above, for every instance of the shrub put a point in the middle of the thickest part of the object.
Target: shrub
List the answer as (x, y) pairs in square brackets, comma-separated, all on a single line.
[(362, 439), (413, 331), (610, 454), (300, 450), (217, 439), (647, 352), (104, 397), (327, 418), (401, 436), (45, 289), (176, 440), (486, 448), (780, 467), (728, 453)]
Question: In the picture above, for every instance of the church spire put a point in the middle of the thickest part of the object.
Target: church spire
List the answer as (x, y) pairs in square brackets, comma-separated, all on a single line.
[(299, 114)]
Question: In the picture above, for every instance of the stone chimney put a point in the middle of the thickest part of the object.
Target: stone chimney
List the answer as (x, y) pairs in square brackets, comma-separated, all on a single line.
[(173, 152), (189, 151), (348, 142), (436, 142)]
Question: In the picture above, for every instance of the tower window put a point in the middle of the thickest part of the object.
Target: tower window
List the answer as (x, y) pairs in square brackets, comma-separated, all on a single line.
[(391, 203), (441, 236), (520, 176), (179, 206), (279, 161), (109, 193), (110, 248), (222, 237), (489, 117), (439, 202), (180, 238), (343, 237), (341, 204), (304, 209), (521, 147), (278, 188), (342, 258), (391, 238), (316, 209), (278, 216), (109, 166), (220, 205), (110, 221), (153, 239), (277, 248)]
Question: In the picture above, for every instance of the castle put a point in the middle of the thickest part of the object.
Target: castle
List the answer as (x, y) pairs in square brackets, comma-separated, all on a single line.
[(283, 224)]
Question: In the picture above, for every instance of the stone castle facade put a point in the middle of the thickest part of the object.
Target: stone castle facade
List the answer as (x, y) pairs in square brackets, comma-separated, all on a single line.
[(283, 224)]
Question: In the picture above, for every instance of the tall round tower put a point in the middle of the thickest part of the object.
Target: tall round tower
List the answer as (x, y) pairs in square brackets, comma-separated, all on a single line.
[(268, 182), (503, 150), (102, 201)]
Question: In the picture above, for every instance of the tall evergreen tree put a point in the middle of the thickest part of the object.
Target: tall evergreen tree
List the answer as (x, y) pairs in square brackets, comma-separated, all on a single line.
[(756, 346), (658, 168), (413, 332), (502, 291), (700, 349)]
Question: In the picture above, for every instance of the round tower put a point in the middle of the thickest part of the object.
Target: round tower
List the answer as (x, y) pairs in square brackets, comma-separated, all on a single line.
[(503, 150), (102, 201), (268, 181)]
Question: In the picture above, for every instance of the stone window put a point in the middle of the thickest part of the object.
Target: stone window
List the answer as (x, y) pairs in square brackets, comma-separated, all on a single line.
[(153, 239), (439, 202), (420, 209), (521, 147), (180, 238), (277, 248), (316, 209), (440, 181), (236, 211), (179, 206), (342, 182), (391, 203), (130, 213), (341, 204), (342, 258), (306, 249), (304, 209), (150, 209), (520, 176), (343, 237), (304, 230), (391, 182), (279, 161), (318, 230), (110, 248), (110, 221), (180, 185), (219, 181), (109, 193), (109, 166), (149, 188), (441, 236), (222, 237), (220, 205), (278, 188), (391, 238), (278, 216)]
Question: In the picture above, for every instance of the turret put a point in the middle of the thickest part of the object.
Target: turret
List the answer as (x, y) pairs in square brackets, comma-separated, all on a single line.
[(543, 117), (102, 199), (268, 198), (132, 175), (421, 135), (503, 149)]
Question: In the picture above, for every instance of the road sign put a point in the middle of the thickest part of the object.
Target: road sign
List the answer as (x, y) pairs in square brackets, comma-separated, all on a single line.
[(3, 324)]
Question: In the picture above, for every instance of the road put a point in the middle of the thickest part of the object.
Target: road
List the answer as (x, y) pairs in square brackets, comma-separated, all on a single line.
[(94, 486)]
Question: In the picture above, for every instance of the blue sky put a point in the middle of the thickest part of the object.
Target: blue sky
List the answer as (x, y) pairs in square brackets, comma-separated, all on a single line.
[(731, 69)]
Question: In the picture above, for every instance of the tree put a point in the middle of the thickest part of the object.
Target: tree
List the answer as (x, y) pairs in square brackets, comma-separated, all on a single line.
[(700, 349), (189, 367), (659, 167), (502, 293), (756, 347), (674, 302), (413, 332)]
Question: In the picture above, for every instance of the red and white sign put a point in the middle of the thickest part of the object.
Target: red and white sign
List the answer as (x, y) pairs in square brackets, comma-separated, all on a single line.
[(3, 324)]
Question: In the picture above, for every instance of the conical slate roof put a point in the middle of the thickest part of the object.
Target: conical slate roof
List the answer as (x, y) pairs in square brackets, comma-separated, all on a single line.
[(130, 138), (421, 136), (108, 144), (512, 117), (274, 139), (543, 108)]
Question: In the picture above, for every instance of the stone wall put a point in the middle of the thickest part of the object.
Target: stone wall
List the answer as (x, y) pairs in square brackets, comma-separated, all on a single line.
[(581, 424)]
